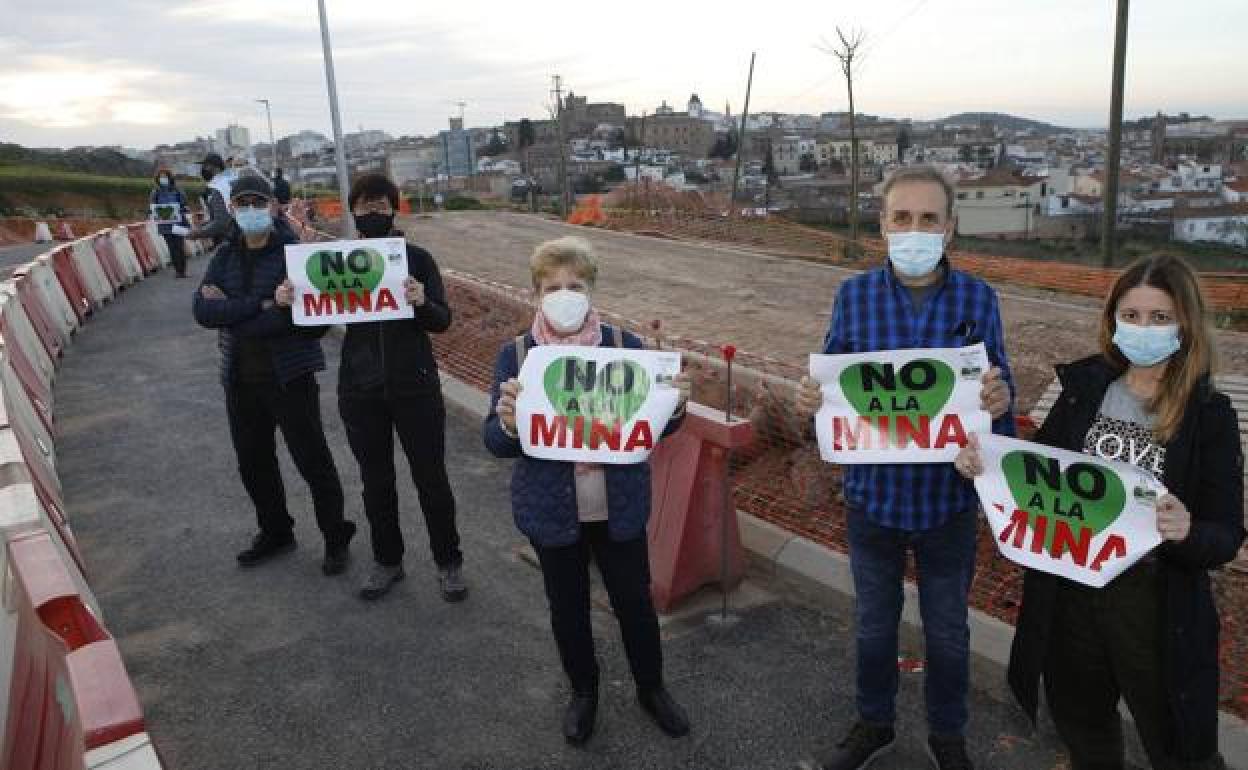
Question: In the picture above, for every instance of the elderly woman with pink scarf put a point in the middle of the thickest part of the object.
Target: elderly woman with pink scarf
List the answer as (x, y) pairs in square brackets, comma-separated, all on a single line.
[(574, 511)]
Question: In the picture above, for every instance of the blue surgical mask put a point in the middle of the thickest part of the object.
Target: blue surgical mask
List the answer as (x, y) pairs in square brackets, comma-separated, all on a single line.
[(164, 181), (253, 221), (915, 254), (1146, 345)]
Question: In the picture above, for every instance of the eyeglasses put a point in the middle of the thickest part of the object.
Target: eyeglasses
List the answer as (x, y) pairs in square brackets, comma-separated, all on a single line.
[(373, 207)]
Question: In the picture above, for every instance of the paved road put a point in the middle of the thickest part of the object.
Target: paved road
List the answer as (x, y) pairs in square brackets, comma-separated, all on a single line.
[(13, 256), (280, 667)]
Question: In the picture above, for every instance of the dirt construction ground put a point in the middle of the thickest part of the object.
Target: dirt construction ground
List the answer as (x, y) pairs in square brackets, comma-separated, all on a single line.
[(763, 304)]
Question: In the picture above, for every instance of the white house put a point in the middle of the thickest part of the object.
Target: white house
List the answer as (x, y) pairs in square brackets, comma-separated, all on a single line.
[(1235, 191), (1220, 224), (1001, 203)]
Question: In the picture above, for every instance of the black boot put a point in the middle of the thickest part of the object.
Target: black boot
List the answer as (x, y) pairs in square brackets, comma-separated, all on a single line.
[(264, 547), (339, 551), (665, 711), (578, 719)]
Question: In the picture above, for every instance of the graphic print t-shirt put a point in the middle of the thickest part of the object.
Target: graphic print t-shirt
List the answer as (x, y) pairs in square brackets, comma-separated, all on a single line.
[(1123, 431)]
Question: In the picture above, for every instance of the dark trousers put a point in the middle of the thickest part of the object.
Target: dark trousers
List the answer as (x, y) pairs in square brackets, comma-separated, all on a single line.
[(945, 561), (625, 569), (1106, 644), (420, 421), (177, 252), (255, 411)]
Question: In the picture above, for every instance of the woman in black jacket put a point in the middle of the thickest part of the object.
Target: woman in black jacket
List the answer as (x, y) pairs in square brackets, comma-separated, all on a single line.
[(1150, 637)]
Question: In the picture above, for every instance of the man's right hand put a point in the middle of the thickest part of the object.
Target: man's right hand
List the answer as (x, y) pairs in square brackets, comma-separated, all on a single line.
[(809, 398), (208, 291), (506, 407), (285, 294)]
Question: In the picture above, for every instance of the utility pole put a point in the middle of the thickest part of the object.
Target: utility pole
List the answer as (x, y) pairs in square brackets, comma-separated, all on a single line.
[(272, 144), (745, 114), (563, 148), (340, 150), (1113, 160)]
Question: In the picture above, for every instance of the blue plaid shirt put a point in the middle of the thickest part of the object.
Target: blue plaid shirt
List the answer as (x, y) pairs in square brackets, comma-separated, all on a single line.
[(874, 311)]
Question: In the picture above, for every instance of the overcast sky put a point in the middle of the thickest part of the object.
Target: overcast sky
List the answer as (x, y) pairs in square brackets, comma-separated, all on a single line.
[(142, 72)]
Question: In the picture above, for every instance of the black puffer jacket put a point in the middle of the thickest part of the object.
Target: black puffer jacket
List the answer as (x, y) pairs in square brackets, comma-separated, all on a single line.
[(395, 358), (1205, 470)]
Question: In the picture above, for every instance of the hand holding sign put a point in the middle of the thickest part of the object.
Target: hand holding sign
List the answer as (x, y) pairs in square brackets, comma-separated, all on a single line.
[(898, 406), (809, 397), (1069, 513), (413, 292), (995, 396), (284, 296), (1174, 522), (508, 392)]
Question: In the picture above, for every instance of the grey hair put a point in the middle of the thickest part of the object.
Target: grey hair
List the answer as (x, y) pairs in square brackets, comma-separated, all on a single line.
[(920, 173)]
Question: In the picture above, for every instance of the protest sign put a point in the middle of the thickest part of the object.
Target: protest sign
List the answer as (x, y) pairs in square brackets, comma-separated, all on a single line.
[(343, 282), (899, 406), (167, 213), (1067, 513), (595, 404)]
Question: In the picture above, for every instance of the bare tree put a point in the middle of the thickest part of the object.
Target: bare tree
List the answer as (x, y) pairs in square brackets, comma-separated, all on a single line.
[(847, 53)]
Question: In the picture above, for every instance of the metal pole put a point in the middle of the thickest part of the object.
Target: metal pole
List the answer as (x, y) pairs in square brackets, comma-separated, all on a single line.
[(1113, 160), (272, 144), (340, 150), (736, 175)]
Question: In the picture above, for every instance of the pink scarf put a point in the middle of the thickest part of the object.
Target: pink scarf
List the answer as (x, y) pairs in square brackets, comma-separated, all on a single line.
[(590, 334)]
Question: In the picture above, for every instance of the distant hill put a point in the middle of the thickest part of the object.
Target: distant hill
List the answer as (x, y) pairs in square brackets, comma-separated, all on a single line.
[(1007, 122), (87, 160)]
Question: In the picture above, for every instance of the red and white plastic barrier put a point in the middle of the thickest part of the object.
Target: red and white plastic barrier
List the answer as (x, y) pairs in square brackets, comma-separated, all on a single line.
[(69, 692), (129, 260), (94, 279)]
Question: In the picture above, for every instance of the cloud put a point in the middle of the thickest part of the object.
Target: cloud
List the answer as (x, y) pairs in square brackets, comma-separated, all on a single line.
[(60, 92)]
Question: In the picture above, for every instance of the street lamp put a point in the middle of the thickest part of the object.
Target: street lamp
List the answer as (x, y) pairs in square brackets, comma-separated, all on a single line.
[(272, 144), (340, 150)]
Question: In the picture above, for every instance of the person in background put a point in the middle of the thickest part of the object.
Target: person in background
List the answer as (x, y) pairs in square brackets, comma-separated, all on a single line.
[(917, 300), (281, 188), (1149, 637), (268, 368), (388, 383), (572, 512), (218, 223), (167, 192)]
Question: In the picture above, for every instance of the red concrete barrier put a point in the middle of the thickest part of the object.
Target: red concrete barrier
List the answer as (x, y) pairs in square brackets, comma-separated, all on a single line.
[(692, 507), (70, 692)]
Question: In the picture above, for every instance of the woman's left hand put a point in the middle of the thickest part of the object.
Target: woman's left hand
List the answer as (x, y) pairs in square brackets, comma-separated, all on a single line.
[(684, 384), (1174, 521), (414, 291)]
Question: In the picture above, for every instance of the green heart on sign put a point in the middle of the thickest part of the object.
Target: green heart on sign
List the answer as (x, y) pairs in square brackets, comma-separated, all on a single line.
[(609, 392), (920, 387), (1083, 494), (336, 272), (166, 212)]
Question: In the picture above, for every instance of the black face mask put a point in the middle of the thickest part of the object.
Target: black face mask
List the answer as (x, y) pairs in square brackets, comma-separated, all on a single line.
[(374, 225), (207, 173)]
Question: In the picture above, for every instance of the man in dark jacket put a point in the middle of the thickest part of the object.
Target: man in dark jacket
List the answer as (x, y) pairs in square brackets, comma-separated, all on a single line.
[(219, 224), (281, 188), (388, 383), (268, 368)]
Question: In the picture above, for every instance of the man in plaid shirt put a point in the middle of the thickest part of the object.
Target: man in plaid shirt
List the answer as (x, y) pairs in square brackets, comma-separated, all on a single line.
[(916, 301)]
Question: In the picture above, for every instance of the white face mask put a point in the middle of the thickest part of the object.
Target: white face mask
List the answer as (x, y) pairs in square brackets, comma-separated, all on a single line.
[(566, 310), (915, 254)]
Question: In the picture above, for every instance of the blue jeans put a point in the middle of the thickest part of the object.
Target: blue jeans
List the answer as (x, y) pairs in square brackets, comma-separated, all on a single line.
[(945, 558)]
